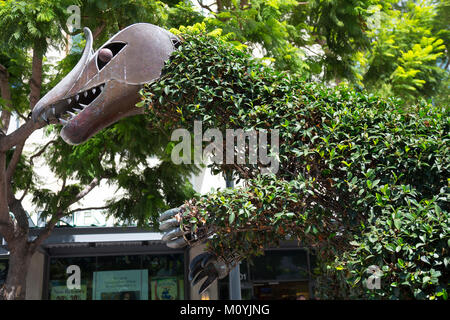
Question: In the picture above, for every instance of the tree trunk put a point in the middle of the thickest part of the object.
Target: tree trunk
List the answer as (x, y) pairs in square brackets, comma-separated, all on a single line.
[(36, 74), (19, 261), (5, 93)]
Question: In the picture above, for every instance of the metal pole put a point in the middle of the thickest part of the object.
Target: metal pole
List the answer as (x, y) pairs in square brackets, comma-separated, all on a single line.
[(234, 280)]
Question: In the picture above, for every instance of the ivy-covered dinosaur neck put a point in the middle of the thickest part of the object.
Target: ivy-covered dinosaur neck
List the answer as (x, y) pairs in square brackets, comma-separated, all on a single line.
[(360, 180), (349, 163)]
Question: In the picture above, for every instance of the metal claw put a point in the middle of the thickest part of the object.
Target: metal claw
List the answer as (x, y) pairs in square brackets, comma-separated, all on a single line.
[(208, 282), (167, 224), (177, 244), (199, 276), (172, 235), (169, 214)]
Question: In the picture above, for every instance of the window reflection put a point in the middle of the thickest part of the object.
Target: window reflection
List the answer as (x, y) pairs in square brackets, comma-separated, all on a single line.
[(278, 274), (281, 265), (124, 277)]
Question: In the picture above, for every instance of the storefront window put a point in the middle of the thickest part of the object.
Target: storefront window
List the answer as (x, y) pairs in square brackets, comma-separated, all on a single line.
[(125, 277), (58, 278), (280, 265), (278, 274)]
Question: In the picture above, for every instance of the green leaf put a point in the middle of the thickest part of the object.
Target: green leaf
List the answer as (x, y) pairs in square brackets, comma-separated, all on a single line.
[(231, 217)]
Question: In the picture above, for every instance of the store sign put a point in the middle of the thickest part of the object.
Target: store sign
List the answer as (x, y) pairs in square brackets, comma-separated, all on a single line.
[(59, 291), (120, 285)]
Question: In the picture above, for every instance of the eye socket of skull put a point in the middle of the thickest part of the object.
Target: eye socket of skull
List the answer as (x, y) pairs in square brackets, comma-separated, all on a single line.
[(108, 52), (105, 55)]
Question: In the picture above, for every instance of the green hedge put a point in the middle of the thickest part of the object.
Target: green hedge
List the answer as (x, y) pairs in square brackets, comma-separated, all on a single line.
[(361, 180)]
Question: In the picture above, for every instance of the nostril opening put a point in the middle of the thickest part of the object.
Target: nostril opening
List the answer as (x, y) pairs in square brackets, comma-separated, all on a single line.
[(176, 43)]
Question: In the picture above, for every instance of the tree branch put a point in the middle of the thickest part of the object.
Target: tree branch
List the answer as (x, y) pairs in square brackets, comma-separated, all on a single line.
[(204, 6), (86, 190), (20, 215), (13, 162), (6, 225), (89, 208), (98, 30), (41, 151), (19, 135), (44, 234), (25, 192), (36, 74), (61, 212)]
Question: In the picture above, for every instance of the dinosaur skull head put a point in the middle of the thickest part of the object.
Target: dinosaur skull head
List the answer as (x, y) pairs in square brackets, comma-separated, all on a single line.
[(104, 86)]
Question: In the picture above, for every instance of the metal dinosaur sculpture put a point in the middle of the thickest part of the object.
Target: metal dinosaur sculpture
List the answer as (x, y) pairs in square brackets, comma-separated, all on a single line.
[(103, 88)]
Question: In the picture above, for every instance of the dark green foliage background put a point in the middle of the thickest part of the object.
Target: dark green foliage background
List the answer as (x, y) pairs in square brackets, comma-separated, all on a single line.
[(122, 156), (362, 180)]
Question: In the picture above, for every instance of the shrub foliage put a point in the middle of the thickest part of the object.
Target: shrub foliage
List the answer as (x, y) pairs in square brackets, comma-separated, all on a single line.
[(361, 180)]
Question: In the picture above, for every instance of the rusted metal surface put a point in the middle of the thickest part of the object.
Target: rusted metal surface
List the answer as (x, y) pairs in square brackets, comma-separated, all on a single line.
[(102, 89)]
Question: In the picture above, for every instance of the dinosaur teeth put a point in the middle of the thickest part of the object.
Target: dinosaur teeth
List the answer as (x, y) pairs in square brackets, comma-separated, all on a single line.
[(53, 110), (77, 97), (82, 105), (64, 122), (77, 110), (101, 87), (93, 91), (69, 101), (85, 94)]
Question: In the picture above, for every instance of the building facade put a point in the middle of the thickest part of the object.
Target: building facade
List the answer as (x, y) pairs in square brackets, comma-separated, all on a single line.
[(131, 263)]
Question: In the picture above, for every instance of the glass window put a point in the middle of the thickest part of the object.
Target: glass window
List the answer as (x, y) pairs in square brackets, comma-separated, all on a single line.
[(120, 285), (292, 290), (166, 276), (58, 278), (128, 262), (279, 274), (280, 265), (122, 277)]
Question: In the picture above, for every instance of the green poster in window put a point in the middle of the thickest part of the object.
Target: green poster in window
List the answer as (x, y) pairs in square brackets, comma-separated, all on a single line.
[(59, 291), (120, 285), (165, 288)]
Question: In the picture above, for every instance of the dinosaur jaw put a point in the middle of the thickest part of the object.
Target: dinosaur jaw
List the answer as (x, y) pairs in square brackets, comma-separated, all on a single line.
[(97, 108), (72, 107), (90, 110)]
